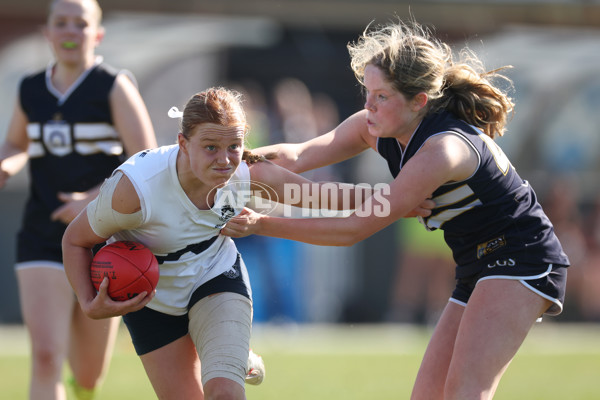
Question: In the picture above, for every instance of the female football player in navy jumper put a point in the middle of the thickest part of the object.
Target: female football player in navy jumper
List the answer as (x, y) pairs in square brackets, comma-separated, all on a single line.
[(434, 120), (73, 122)]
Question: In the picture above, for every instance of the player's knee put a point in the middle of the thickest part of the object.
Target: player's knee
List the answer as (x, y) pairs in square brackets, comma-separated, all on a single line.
[(459, 388), (223, 389), (87, 379), (46, 361)]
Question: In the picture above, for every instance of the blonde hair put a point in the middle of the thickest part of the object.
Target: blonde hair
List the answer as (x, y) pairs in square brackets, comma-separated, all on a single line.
[(414, 61)]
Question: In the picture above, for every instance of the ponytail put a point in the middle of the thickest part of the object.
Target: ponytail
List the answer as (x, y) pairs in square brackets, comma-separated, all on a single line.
[(252, 158), (472, 96)]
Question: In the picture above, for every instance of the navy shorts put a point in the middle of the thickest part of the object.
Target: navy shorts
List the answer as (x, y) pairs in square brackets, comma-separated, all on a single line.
[(151, 330), (550, 283), (32, 247)]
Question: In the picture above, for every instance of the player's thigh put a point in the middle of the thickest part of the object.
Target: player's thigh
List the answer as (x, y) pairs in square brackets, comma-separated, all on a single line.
[(47, 303), (174, 370), (498, 317)]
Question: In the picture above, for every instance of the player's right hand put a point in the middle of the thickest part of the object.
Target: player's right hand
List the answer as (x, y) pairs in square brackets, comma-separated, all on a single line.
[(102, 306), (422, 210), (242, 225)]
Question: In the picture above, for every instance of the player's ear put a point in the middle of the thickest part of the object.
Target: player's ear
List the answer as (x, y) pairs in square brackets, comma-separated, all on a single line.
[(44, 30), (100, 35), (419, 101), (182, 142)]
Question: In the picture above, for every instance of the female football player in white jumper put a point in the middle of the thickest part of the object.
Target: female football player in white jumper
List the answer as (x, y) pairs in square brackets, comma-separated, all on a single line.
[(175, 200)]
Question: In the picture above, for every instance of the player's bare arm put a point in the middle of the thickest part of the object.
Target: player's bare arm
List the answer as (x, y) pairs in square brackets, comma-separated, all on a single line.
[(347, 140), (80, 237), (435, 164), (13, 152), (131, 118), (269, 175)]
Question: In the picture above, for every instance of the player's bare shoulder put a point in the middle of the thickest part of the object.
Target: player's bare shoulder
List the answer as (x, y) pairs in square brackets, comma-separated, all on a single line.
[(455, 152), (125, 199)]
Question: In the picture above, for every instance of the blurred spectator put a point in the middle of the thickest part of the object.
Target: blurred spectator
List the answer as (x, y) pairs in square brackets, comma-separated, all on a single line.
[(257, 114), (325, 112), (561, 205), (589, 290), (423, 274), (294, 108), (300, 116), (275, 265), (270, 261)]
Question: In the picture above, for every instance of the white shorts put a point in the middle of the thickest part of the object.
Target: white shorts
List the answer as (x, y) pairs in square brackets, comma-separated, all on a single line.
[(39, 264)]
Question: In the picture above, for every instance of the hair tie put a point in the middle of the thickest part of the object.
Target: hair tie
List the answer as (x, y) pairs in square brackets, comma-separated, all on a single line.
[(175, 113)]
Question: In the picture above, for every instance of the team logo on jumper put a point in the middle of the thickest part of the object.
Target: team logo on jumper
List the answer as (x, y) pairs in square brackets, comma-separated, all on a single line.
[(485, 248), (233, 273), (227, 212), (236, 195), (57, 138)]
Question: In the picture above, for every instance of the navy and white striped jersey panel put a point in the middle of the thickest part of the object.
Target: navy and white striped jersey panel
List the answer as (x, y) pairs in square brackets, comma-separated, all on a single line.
[(493, 208), (60, 138)]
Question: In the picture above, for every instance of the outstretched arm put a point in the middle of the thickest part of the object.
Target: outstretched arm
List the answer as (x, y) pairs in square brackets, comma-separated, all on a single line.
[(348, 139), (378, 209), (442, 159), (274, 182)]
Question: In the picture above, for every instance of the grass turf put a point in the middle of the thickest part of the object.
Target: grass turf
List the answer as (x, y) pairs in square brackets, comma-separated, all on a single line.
[(352, 362)]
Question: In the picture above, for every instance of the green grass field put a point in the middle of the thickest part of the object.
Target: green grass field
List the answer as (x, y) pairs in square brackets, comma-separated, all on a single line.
[(557, 361)]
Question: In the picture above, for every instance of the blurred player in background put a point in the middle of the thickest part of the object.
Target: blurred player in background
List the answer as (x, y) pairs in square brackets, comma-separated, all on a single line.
[(423, 274), (73, 121), (434, 120)]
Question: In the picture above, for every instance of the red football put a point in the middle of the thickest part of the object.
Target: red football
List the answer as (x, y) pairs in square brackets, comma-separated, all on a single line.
[(130, 266)]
